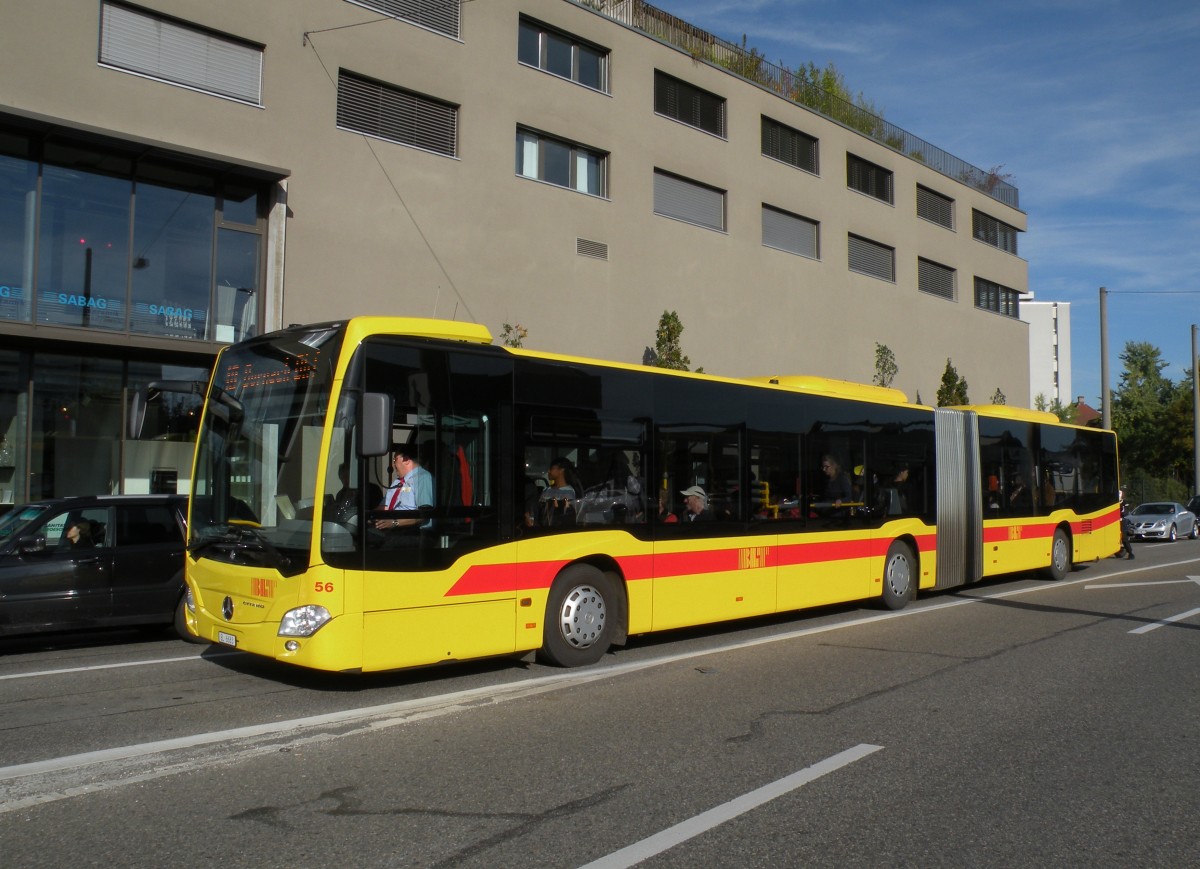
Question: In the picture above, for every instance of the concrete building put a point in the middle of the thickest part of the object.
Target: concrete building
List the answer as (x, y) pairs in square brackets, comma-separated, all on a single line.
[(1049, 349), (178, 174)]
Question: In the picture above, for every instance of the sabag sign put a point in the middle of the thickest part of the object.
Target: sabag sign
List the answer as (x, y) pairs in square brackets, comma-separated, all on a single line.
[(171, 312), (74, 301)]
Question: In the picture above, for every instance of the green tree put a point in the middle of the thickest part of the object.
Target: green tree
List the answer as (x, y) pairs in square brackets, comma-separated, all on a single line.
[(826, 91), (513, 335), (1139, 407), (885, 365), (998, 397), (1178, 447), (953, 390), (668, 351), (1065, 412)]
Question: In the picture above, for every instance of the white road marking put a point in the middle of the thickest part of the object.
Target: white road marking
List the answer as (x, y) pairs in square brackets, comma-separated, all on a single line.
[(27, 784), (114, 666), (701, 823), (1144, 629)]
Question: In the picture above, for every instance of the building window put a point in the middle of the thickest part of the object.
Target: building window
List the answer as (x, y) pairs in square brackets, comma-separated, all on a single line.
[(439, 16), (150, 246), (789, 145), (790, 232), (991, 231), (386, 112), (935, 207), (936, 279), (563, 55), (872, 258), (559, 162), (152, 45), (689, 201), (868, 178), (991, 296), (689, 104)]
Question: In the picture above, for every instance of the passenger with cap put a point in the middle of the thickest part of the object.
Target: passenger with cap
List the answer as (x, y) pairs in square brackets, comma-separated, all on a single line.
[(695, 505)]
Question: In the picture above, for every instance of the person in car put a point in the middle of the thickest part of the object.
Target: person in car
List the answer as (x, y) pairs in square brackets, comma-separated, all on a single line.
[(79, 534)]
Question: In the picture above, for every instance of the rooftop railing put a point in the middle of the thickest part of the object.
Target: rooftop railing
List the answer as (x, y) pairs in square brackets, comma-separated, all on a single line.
[(753, 67)]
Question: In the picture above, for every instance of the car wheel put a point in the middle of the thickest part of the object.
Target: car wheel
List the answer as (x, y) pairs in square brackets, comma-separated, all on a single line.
[(1195, 532), (899, 576), (1060, 556), (580, 617), (1173, 536)]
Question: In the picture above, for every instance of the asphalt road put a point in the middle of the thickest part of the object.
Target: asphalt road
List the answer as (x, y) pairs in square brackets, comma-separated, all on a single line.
[(1015, 723)]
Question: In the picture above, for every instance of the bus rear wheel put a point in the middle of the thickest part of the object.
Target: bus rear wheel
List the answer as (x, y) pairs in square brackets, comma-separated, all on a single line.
[(899, 576), (580, 617), (1060, 556)]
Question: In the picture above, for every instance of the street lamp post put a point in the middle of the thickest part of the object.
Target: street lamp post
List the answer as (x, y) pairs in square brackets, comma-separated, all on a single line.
[(1195, 416), (1105, 405)]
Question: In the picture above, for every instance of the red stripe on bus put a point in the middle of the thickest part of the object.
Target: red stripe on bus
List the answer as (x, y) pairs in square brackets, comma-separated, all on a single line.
[(496, 578)]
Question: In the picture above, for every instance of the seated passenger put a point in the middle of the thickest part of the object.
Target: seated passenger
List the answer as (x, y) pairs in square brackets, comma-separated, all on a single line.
[(695, 505), (837, 488), (556, 506)]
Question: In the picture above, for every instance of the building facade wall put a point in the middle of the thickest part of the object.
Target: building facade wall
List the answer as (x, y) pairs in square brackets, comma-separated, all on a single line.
[(358, 225), (1049, 350)]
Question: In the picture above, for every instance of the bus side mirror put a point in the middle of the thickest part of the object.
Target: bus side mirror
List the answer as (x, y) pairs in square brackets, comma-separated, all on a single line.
[(376, 431), (139, 398)]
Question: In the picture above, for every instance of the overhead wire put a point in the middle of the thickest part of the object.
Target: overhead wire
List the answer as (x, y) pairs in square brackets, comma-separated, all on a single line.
[(309, 43)]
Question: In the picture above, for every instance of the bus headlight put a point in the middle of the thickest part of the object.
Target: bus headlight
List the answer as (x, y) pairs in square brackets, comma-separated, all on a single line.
[(303, 621), (189, 599)]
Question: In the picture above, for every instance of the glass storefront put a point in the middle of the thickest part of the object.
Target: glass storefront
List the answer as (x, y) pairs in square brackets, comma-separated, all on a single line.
[(62, 426), (157, 255), (127, 242)]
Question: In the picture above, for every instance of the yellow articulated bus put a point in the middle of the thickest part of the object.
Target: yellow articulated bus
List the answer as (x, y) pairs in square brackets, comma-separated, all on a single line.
[(383, 493)]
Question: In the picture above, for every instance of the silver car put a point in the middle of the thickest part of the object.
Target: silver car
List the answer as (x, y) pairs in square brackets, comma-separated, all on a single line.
[(1161, 520)]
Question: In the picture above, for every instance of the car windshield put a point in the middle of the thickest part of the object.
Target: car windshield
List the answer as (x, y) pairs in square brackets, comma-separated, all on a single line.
[(13, 521), (1154, 509), (255, 480)]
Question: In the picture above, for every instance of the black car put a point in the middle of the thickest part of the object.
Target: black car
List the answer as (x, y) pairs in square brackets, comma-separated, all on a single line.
[(1194, 505), (92, 562)]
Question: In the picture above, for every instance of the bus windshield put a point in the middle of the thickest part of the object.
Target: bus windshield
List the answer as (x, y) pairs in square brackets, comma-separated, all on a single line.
[(255, 481)]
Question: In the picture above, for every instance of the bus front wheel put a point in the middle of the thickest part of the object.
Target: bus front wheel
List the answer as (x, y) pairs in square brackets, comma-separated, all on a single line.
[(579, 617), (899, 576), (1060, 556)]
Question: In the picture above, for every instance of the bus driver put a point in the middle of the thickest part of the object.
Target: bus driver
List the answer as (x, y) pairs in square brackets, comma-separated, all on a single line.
[(411, 490)]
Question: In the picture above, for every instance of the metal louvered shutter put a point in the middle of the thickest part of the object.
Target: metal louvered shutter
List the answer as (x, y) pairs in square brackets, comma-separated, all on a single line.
[(188, 56), (789, 232), (935, 207), (375, 109), (439, 15), (689, 201), (781, 142), (689, 104), (866, 177), (871, 258), (935, 279)]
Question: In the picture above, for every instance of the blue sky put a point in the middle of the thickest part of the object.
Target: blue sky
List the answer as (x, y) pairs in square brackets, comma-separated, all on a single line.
[(1091, 106)]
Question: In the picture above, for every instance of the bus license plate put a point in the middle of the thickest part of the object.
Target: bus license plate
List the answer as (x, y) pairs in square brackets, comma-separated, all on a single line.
[(226, 639)]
